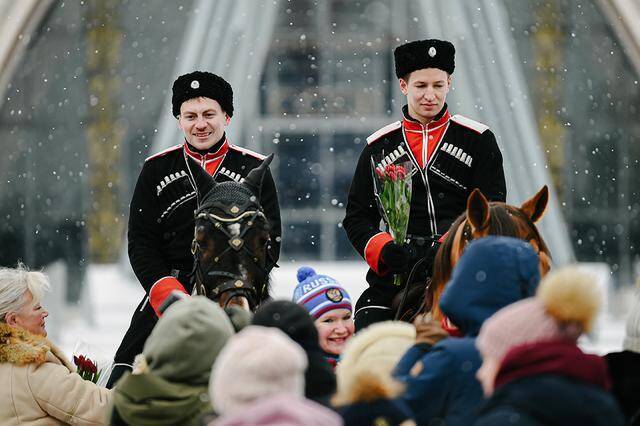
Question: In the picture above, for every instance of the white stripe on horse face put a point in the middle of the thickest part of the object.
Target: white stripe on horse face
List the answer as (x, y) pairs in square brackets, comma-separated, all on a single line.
[(234, 229)]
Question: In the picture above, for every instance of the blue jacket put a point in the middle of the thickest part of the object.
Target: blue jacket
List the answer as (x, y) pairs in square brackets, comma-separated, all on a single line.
[(550, 400), (440, 381)]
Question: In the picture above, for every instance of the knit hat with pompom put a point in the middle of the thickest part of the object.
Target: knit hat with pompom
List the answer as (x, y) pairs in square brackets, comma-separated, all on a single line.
[(256, 363), (564, 307), (319, 294)]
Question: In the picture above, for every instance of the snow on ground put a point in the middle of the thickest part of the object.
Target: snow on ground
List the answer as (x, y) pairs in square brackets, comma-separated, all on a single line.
[(112, 293)]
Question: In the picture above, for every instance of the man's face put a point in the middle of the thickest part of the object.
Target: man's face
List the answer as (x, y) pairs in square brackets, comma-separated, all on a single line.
[(202, 121), (426, 91)]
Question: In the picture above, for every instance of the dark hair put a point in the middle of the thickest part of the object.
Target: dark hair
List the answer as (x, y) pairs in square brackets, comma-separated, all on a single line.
[(406, 76)]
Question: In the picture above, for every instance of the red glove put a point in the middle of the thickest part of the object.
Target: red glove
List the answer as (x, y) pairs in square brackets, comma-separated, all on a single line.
[(161, 290)]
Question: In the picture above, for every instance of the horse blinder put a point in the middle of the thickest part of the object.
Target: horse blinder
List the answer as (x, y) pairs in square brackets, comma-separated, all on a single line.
[(236, 286)]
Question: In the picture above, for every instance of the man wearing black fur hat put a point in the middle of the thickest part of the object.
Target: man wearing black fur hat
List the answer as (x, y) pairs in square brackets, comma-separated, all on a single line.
[(161, 216), (451, 155)]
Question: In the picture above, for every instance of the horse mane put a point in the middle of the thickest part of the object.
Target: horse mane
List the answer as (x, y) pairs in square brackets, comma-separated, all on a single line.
[(442, 265)]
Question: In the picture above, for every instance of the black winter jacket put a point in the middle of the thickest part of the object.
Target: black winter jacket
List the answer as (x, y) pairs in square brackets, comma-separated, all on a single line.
[(161, 214), (624, 368), (465, 157)]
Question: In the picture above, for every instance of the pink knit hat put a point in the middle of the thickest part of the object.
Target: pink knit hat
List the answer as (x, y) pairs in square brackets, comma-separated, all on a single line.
[(255, 363), (525, 321), (564, 306)]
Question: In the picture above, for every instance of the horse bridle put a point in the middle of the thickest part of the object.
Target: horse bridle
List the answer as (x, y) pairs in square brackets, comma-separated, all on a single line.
[(467, 233), (235, 284)]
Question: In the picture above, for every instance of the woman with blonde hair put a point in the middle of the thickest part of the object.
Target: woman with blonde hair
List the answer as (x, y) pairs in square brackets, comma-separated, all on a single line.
[(40, 386)]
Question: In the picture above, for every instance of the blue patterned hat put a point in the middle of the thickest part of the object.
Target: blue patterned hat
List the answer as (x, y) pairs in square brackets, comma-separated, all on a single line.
[(319, 293)]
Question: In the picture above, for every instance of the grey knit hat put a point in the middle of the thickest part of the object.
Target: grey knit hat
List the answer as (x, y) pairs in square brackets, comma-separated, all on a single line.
[(187, 340)]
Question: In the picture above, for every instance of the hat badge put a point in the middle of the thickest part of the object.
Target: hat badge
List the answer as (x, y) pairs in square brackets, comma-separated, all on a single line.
[(195, 84), (432, 51), (334, 295)]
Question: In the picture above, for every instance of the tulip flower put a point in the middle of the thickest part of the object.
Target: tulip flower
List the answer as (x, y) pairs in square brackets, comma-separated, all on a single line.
[(393, 192), (86, 368)]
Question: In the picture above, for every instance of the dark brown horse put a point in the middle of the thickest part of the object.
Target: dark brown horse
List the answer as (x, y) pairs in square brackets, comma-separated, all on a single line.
[(484, 218), (230, 240)]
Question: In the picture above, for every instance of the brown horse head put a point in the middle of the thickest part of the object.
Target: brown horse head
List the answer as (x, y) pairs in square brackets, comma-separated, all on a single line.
[(483, 218)]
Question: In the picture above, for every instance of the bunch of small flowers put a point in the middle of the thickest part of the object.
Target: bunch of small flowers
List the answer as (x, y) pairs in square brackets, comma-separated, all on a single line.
[(394, 195), (86, 368)]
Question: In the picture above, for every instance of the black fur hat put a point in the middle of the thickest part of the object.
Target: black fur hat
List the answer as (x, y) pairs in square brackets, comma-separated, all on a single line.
[(421, 54), (202, 83)]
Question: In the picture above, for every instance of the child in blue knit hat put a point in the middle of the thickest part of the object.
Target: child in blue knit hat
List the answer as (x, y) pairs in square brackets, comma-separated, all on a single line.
[(330, 306)]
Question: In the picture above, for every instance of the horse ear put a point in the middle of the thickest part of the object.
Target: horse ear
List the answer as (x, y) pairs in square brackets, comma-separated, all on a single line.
[(478, 211), (535, 207), (255, 176), (204, 181)]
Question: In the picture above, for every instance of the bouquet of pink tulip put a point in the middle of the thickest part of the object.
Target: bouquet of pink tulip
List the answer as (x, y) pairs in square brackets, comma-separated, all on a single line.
[(393, 191)]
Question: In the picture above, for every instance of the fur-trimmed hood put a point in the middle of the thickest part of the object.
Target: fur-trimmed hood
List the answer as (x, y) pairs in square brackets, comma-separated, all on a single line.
[(20, 347), (44, 387), (364, 372)]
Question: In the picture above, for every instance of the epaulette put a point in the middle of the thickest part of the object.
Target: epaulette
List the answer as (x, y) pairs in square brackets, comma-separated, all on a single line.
[(474, 125), (383, 131), (166, 151), (246, 151)]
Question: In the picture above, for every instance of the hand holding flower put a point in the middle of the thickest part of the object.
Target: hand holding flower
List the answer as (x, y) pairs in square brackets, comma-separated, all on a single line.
[(393, 191), (86, 368)]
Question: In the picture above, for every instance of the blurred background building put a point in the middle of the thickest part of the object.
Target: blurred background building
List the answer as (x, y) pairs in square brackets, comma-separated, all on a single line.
[(85, 98)]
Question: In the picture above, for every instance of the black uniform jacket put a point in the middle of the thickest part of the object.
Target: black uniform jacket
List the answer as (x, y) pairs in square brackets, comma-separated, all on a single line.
[(161, 221), (466, 156), (161, 217)]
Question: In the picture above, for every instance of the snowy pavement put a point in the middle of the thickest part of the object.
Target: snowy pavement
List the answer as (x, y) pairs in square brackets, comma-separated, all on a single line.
[(113, 293)]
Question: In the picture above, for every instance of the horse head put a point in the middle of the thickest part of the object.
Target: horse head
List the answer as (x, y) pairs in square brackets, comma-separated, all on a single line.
[(483, 218), (230, 239)]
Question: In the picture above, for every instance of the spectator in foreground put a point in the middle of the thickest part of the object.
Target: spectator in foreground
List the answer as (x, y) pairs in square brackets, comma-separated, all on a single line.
[(169, 383), (625, 366), (295, 322), (492, 273), (533, 371), (367, 394), (258, 379), (39, 384)]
